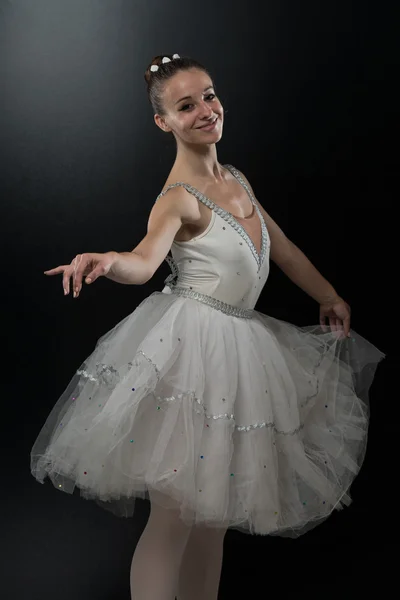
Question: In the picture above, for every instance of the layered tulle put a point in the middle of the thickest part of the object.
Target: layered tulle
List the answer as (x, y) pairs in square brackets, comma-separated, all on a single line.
[(256, 424)]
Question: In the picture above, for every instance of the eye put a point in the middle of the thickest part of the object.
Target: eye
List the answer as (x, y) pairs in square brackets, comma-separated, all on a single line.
[(185, 106)]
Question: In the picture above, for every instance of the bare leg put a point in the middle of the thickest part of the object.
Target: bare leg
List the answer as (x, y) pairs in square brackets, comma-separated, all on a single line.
[(158, 554), (201, 564)]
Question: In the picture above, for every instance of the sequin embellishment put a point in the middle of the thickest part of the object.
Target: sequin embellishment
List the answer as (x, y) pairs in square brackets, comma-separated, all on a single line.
[(228, 309), (228, 217), (198, 405)]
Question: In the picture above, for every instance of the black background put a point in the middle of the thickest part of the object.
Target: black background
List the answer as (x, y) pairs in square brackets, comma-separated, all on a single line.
[(310, 117)]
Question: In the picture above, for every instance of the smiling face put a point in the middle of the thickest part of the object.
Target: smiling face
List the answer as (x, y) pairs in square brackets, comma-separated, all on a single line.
[(192, 110)]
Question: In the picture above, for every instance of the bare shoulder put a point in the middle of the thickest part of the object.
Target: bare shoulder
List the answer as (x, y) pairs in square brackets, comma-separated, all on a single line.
[(177, 199)]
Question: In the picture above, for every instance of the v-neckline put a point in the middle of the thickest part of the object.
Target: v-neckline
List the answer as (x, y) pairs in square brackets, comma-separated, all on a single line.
[(230, 218), (237, 222)]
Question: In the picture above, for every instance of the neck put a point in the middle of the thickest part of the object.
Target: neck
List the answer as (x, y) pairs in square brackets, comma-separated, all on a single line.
[(198, 161)]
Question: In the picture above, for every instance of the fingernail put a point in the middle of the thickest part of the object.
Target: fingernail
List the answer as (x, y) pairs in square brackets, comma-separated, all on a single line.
[(88, 280), (65, 292), (75, 294)]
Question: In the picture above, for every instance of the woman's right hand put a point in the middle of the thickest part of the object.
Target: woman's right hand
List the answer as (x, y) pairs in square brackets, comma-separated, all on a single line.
[(90, 265)]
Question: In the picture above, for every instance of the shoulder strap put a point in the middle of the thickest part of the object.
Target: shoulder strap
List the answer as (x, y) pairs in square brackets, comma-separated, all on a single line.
[(192, 190), (172, 185), (238, 176), (171, 279), (202, 197), (230, 168)]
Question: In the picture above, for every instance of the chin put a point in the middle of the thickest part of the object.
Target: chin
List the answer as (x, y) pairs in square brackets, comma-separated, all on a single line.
[(210, 136), (208, 140)]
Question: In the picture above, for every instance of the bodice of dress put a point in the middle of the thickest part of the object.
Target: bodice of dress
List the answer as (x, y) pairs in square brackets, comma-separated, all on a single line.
[(223, 262)]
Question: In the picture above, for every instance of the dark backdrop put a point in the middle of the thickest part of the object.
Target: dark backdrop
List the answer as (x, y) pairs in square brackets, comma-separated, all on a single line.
[(309, 120)]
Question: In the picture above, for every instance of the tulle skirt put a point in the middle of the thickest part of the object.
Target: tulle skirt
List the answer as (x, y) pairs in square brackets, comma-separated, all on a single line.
[(253, 424)]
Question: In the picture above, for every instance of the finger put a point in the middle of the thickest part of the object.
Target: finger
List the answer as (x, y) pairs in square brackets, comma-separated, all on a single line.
[(339, 328), (56, 271), (74, 265), (99, 271), (66, 279), (80, 264), (346, 326), (322, 323), (332, 322)]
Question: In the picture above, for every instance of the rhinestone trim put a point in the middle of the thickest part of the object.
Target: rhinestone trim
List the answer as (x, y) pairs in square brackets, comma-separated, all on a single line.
[(109, 375), (86, 375), (264, 230), (228, 217), (172, 282), (153, 364), (230, 417), (172, 279), (198, 405), (228, 309)]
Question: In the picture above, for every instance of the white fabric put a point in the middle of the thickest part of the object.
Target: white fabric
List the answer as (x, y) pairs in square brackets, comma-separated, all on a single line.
[(255, 423), (221, 265)]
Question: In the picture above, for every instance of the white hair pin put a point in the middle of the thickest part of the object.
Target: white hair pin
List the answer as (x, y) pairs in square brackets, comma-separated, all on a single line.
[(155, 68)]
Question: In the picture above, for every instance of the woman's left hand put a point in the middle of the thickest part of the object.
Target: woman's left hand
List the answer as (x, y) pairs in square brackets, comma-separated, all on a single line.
[(338, 312)]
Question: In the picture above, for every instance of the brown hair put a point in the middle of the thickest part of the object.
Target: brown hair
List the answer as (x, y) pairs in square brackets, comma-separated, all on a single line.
[(156, 79)]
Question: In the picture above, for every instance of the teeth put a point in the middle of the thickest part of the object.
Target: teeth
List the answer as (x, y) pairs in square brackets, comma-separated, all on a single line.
[(211, 123)]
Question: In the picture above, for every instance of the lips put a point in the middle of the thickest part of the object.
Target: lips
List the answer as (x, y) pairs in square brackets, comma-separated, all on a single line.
[(208, 124)]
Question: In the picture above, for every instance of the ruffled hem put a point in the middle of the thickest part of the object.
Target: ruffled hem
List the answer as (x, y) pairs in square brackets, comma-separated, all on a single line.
[(256, 425)]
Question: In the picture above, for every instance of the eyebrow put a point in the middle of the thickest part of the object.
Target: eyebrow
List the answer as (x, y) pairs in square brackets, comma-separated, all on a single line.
[(186, 97)]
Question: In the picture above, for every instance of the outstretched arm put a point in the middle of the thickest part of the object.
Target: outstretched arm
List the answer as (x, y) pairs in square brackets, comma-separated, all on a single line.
[(303, 273)]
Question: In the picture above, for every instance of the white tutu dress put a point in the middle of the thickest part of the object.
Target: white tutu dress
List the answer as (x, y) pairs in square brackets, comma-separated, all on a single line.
[(241, 418)]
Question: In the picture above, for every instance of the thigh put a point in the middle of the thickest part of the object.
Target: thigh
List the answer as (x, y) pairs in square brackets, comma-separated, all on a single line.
[(207, 537), (166, 511)]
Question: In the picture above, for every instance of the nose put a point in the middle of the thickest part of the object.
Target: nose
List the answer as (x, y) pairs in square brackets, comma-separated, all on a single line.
[(205, 111)]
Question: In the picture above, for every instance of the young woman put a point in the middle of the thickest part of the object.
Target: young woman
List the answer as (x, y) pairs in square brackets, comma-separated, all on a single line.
[(223, 417)]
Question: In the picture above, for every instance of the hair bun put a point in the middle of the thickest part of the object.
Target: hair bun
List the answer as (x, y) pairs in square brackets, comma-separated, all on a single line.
[(162, 68), (152, 68), (157, 62)]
